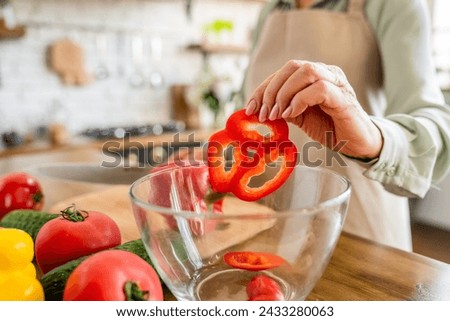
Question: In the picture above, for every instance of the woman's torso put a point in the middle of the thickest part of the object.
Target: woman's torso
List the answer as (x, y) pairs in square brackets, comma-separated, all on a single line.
[(344, 39)]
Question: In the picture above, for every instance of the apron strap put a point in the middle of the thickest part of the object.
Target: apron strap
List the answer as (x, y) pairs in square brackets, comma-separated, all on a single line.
[(356, 6)]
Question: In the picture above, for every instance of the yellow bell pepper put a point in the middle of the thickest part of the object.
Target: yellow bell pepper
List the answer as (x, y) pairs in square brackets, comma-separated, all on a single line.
[(18, 280)]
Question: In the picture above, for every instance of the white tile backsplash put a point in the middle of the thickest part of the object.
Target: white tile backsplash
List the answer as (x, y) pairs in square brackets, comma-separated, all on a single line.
[(32, 95)]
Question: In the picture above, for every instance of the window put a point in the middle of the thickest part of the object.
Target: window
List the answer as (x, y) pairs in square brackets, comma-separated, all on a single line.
[(440, 15)]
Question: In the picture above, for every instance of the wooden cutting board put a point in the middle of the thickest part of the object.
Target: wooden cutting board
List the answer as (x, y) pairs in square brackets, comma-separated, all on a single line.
[(115, 202), (66, 58), (111, 201)]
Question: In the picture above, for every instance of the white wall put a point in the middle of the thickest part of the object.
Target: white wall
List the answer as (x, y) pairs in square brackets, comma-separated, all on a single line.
[(32, 95)]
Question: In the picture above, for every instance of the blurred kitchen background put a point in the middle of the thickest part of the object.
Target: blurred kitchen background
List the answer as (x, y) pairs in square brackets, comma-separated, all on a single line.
[(74, 70), (92, 64), (133, 52)]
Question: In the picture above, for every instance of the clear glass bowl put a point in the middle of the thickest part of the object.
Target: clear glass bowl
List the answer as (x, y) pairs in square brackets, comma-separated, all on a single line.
[(300, 222)]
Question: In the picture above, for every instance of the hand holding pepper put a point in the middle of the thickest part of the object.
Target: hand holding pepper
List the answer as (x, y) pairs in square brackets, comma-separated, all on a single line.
[(318, 98)]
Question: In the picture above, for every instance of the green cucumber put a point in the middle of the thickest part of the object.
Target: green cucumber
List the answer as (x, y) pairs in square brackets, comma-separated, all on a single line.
[(29, 221), (55, 280)]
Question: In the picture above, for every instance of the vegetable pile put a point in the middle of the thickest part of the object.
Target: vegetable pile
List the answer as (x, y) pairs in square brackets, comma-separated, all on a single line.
[(77, 254), (64, 256), (117, 271)]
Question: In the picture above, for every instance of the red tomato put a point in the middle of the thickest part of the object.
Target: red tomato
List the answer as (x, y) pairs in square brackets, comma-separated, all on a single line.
[(20, 191), (77, 233), (194, 179), (253, 261), (113, 275), (263, 288)]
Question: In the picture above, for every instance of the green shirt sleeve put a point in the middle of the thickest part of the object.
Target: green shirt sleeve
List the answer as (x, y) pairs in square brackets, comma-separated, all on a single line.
[(416, 126)]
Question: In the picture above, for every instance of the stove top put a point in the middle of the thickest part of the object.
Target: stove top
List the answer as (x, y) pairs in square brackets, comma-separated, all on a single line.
[(142, 130)]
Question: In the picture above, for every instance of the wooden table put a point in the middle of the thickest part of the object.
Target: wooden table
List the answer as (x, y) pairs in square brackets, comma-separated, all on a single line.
[(359, 269), (364, 270)]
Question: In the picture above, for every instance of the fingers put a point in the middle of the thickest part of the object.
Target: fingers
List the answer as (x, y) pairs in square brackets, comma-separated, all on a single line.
[(287, 92), (270, 108), (263, 98), (255, 102)]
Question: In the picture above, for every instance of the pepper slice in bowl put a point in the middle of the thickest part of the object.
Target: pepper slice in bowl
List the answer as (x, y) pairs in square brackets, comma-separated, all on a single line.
[(253, 261)]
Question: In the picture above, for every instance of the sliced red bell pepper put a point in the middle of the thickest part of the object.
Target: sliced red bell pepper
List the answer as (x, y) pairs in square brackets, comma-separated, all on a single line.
[(253, 261), (221, 172), (244, 127), (263, 288), (193, 179), (252, 152), (287, 156)]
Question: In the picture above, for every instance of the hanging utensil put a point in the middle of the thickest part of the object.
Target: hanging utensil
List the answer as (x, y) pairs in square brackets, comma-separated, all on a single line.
[(120, 53), (137, 78), (188, 9), (156, 77), (101, 72)]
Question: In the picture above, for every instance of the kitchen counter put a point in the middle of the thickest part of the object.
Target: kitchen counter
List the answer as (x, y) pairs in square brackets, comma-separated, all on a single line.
[(92, 151), (41, 146)]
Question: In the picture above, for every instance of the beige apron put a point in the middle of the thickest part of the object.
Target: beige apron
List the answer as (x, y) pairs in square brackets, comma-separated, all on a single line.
[(344, 39)]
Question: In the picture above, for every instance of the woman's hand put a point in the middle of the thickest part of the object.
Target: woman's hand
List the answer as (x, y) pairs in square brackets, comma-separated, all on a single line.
[(318, 99)]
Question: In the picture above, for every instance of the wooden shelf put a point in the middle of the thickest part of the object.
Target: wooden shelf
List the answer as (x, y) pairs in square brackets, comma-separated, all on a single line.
[(218, 49), (6, 33)]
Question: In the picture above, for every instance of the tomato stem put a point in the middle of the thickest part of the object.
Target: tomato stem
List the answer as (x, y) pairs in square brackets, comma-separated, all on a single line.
[(37, 197), (73, 214), (134, 293)]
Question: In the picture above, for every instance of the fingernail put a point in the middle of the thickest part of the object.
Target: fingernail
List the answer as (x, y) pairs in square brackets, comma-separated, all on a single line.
[(274, 113), (287, 112), (251, 107), (263, 113)]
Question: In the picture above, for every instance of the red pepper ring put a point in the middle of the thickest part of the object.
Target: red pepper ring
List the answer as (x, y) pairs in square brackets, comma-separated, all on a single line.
[(287, 155), (252, 152), (253, 261), (245, 127), (221, 177)]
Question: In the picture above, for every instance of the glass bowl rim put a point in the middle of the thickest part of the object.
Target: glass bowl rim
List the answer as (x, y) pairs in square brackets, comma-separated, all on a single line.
[(307, 211)]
